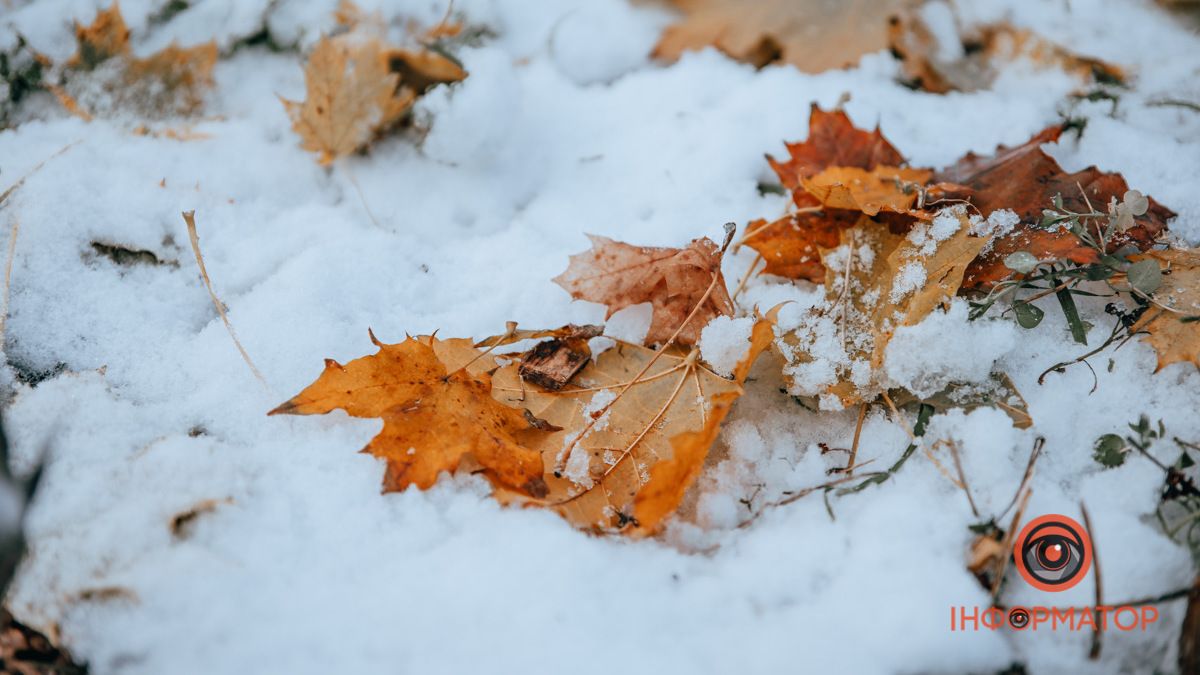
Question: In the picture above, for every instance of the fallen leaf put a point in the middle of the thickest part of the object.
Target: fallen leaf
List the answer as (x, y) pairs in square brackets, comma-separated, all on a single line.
[(974, 59), (1172, 323), (352, 96), (875, 282), (998, 391), (103, 77), (421, 70), (1025, 179), (791, 246), (435, 399), (677, 282), (634, 429), (812, 35), (881, 188), (833, 140)]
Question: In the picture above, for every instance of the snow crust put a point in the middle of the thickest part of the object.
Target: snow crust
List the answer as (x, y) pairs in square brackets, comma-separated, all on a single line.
[(144, 408)]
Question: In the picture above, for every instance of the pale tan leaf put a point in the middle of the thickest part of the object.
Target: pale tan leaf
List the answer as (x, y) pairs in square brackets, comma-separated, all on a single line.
[(813, 35), (351, 96)]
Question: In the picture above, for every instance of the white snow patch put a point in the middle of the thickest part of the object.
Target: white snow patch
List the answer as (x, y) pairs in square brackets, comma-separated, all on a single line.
[(724, 342)]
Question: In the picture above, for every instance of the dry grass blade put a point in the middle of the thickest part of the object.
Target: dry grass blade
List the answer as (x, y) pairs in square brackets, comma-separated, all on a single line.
[(189, 217)]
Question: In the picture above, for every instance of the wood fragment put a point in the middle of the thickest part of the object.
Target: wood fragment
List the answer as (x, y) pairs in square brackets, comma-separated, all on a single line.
[(552, 364)]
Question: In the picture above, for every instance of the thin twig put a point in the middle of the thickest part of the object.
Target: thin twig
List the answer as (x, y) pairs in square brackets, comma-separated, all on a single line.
[(361, 197), (862, 415), (8, 268), (21, 181), (189, 217), (1033, 458), (962, 477), (796, 496), (1006, 544), (746, 277), (1096, 632)]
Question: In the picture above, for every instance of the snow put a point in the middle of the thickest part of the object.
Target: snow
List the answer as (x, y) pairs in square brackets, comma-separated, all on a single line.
[(144, 408), (946, 348), (724, 342)]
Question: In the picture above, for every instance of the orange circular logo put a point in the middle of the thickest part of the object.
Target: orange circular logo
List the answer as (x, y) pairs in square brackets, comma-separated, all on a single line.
[(1053, 553)]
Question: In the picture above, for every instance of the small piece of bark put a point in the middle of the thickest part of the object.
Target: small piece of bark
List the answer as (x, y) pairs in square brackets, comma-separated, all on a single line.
[(553, 363), (1189, 635)]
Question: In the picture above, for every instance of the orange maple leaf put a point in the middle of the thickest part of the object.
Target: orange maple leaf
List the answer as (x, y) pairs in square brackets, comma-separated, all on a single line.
[(435, 399)]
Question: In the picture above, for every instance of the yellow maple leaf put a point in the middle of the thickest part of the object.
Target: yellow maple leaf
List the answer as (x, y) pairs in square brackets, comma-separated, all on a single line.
[(875, 282), (883, 188)]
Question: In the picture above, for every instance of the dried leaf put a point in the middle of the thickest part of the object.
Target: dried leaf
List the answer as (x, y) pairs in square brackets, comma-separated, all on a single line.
[(813, 35), (358, 86), (998, 391), (636, 426), (104, 77), (979, 53), (791, 245), (833, 140), (351, 96), (106, 37), (1025, 179), (875, 283), (1172, 322), (423, 70), (435, 399), (672, 280), (884, 188)]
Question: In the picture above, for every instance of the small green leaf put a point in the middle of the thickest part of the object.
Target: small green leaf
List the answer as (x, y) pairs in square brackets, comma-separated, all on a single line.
[(1048, 218), (1185, 461), (1110, 451), (1145, 276), (1021, 261), (1058, 202), (1028, 316)]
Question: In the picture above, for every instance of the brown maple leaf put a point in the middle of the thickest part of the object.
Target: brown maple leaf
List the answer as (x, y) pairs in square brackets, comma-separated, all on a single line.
[(791, 245), (812, 35), (632, 430), (875, 282), (104, 76), (833, 140), (1026, 180), (684, 286), (435, 399), (1171, 322)]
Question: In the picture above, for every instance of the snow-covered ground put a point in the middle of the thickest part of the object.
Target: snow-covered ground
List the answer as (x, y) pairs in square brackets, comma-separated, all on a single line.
[(144, 408)]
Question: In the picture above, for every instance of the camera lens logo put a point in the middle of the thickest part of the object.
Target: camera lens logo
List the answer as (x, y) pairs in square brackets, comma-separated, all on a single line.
[(1053, 553)]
